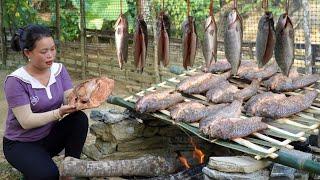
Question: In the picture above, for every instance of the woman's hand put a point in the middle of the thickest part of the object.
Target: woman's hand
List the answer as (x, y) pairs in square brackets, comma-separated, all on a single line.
[(66, 109)]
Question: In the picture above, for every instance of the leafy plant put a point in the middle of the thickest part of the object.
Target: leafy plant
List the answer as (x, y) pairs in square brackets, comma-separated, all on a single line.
[(98, 11)]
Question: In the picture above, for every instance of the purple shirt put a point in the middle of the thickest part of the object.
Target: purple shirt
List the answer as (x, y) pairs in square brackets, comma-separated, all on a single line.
[(21, 88)]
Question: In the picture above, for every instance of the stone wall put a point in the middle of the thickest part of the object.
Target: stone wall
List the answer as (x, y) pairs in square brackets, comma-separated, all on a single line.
[(127, 135)]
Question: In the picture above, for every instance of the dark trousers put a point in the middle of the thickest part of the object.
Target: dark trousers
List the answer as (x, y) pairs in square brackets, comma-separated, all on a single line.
[(34, 159)]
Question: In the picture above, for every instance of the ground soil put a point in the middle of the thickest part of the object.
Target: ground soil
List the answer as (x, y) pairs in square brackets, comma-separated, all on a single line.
[(6, 170)]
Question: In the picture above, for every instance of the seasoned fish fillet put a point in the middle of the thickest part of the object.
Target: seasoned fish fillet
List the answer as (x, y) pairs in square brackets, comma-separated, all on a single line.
[(263, 73), (284, 107), (253, 103), (246, 66), (188, 111), (216, 94), (158, 101), (201, 83), (281, 83), (219, 66), (193, 81), (244, 93), (230, 128), (229, 111)]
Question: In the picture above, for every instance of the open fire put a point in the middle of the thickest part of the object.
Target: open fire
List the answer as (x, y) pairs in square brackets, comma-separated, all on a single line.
[(197, 154)]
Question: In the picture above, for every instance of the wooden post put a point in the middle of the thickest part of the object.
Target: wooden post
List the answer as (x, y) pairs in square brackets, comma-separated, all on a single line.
[(2, 36), (307, 41), (83, 38), (155, 45), (58, 29)]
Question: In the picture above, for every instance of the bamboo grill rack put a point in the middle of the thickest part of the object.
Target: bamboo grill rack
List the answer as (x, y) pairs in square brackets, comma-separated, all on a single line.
[(260, 144)]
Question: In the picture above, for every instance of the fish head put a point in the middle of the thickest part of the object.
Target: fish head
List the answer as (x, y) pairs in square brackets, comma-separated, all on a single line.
[(232, 18)]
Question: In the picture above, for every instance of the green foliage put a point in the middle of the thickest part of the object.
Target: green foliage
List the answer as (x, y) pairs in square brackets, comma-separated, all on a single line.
[(98, 11), (18, 13), (69, 19)]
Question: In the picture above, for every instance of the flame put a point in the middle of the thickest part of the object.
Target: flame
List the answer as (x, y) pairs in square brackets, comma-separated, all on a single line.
[(197, 153), (183, 160)]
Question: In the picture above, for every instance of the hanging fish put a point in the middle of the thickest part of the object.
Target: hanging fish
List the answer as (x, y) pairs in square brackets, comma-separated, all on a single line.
[(266, 39), (233, 38), (210, 43), (163, 29), (141, 43), (189, 40), (284, 48), (121, 37)]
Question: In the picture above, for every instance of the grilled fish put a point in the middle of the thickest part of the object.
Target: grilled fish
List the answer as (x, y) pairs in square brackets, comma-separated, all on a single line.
[(207, 84), (218, 66), (282, 83), (193, 81), (252, 105), (230, 128), (188, 111), (245, 93), (158, 101), (141, 43), (266, 39), (210, 42), (284, 107), (189, 39), (91, 93), (233, 39), (193, 111), (229, 111), (284, 48), (263, 73), (216, 94), (121, 37), (163, 29)]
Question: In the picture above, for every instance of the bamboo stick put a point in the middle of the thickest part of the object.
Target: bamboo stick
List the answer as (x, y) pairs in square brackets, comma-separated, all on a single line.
[(255, 147), (284, 143), (281, 131)]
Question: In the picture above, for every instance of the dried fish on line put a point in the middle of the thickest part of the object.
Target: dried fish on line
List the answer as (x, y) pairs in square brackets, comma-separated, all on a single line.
[(162, 38), (189, 41), (230, 128), (158, 101), (274, 106), (266, 39), (140, 43), (233, 39), (284, 48), (210, 42), (121, 38)]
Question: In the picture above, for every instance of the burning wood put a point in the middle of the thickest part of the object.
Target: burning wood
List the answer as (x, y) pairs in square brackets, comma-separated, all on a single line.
[(197, 153), (183, 160)]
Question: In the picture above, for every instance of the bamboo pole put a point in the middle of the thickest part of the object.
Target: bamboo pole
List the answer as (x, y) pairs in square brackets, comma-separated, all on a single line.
[(83, 38), (58, 28), (2, 36)]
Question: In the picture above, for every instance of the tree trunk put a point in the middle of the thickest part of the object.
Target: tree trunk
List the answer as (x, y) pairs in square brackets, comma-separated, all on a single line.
[(144, 166), (306, 28)]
